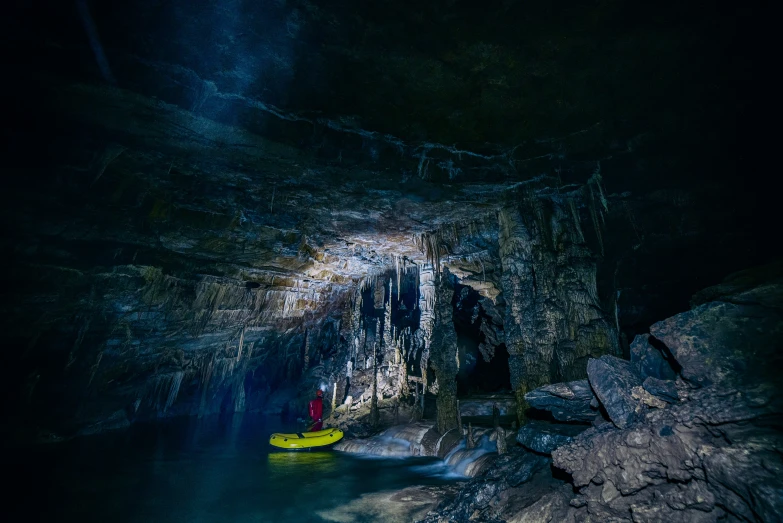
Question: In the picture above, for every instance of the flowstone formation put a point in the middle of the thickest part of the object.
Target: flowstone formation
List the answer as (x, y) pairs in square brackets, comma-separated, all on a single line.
[(554, 318)]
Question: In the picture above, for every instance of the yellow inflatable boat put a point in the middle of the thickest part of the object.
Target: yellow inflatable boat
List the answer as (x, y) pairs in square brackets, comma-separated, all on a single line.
[(306, 440)]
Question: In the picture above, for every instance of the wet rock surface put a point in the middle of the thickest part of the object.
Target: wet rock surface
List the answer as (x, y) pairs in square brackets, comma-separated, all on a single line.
[(570, 401), (413, 439), (543, 437), (401, 506), (480, 498)]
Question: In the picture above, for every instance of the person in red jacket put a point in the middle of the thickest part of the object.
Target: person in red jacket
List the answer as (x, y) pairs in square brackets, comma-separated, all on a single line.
[(316, 410)]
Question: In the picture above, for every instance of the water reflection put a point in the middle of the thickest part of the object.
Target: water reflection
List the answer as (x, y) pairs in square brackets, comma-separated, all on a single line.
[(298, 462), (212, 470)]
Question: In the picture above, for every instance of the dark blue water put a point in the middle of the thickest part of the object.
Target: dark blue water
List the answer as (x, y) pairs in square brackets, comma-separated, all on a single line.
[(213, 470)]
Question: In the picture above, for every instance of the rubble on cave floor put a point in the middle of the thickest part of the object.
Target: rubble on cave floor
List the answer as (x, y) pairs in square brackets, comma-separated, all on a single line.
[(710, 452)]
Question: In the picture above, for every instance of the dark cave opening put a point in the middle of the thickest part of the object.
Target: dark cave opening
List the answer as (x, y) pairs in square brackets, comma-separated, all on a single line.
[(483, 367)]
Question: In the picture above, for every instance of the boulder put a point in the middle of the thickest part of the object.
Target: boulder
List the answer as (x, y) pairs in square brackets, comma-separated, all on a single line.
[(698, 455), (479, 498), (638, 393), (544, 437), (566, 401), (612, 380), (739, 282), (648, 360), (662, 389), (729, 343), (669, 466)]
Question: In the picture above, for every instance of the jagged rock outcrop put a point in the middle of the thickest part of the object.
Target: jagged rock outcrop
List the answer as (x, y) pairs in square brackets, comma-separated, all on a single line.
[(613, 381), (684, 462), (545, 437), (664, 389), (739, 282), (485, 497), (714, 455), (735, 341), (648, 360), (570, 401), (708, 453)]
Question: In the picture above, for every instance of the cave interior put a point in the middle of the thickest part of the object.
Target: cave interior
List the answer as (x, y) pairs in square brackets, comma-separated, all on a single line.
[(433, 212)]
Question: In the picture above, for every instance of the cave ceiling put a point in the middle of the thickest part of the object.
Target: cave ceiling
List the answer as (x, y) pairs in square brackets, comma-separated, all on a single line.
[(318, 140)]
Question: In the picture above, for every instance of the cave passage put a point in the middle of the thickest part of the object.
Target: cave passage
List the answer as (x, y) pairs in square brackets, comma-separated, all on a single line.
[(483, 367)]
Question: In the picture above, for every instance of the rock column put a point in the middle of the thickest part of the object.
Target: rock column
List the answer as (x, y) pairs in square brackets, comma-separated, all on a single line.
[(444, 357), (554, 321)]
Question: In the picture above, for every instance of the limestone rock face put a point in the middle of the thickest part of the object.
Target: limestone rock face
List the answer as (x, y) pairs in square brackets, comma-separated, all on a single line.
[(554, 320), (733, 342), (648, 360), (197, 234), (613, 379), (508, 476), (713, 453), (673, 454), (665, 390), (571, 401), (545, 437), (444, 355)]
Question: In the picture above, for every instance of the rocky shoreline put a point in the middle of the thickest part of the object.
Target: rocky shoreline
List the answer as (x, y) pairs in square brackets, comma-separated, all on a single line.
[(686, 431)]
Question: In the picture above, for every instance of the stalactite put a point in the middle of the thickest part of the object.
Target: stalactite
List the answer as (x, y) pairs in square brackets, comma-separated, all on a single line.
[(427, 317), (594, 217), (500, 437), (374, 413), (306, 359), (205, 379), (397, 258), (241, 343), (239, 397), (577, 222)]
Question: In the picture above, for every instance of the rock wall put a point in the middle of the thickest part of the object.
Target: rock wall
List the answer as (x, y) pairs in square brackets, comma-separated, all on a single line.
[(554, 319), (137, 340)]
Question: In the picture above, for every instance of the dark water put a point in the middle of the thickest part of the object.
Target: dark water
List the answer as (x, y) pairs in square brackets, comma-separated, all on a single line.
[(197, 471)]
